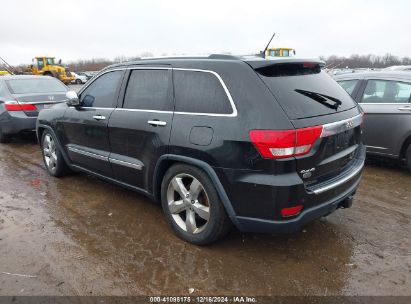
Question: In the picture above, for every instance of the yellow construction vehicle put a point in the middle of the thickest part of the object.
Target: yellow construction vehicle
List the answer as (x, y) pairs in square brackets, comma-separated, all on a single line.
[(2, 73), (280, 52), (46, 66), (276, 52)]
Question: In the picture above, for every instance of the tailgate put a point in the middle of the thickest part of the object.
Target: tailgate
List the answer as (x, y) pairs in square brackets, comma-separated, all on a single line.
[(333, 153), (310, 98)]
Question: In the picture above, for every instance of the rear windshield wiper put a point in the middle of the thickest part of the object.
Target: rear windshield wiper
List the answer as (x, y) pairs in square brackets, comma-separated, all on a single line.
[(322, 98)]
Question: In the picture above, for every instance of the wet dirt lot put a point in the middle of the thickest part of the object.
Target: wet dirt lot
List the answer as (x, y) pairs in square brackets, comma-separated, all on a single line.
[(81, 236)]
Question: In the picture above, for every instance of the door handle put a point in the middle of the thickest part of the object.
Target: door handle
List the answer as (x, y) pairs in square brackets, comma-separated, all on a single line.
[(157, 123), (405, 109), (99, 117)]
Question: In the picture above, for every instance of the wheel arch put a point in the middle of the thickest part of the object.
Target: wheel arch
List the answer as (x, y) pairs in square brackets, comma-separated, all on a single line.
[(40, 131), (168, 160), (405, 144)]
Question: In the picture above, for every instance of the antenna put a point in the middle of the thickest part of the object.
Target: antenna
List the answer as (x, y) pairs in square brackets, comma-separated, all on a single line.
[(268, 44)]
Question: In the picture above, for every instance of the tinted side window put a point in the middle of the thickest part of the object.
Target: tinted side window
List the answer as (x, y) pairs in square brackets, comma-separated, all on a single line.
[(348, 85), (148, 90), (102, 93), (200, 92), (386, 91)]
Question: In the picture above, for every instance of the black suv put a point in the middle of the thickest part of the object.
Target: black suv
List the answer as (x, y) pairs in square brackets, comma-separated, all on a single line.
[(266, 145)]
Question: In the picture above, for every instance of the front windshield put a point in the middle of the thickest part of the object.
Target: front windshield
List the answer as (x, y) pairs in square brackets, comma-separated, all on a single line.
[(36, 85)]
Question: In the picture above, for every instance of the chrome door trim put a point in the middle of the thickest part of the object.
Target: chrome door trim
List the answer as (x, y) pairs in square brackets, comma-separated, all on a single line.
[(375, 147), (86, 153), (126, 164), (138, 166)]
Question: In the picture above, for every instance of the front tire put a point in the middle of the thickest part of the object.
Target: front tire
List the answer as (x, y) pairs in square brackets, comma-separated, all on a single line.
[(52, 157), (78, 81), (192, 205)]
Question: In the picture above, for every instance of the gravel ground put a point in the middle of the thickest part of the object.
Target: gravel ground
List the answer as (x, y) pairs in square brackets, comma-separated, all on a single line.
[(80, 236)]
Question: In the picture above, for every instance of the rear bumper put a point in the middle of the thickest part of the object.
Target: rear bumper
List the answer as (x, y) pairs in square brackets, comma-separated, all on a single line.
[(258, 198), (247, 224), (16, 123)]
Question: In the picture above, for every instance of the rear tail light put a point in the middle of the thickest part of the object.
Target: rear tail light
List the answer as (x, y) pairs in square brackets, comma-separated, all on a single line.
[(285, 143), (291, 211), (309, 65), (16, 106)]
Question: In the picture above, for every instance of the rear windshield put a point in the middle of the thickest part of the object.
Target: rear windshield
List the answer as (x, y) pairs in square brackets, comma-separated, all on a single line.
[(303, 90), (36, 85)]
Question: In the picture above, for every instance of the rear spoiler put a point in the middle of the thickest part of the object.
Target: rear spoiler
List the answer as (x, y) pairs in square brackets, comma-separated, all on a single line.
[(262, 63)]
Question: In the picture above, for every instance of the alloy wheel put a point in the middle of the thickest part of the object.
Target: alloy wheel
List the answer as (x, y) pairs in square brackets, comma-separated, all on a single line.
[(49, 152), (188, 203)]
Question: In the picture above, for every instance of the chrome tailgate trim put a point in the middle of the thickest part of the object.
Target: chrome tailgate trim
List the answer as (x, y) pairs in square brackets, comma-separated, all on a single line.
[(321, 188)]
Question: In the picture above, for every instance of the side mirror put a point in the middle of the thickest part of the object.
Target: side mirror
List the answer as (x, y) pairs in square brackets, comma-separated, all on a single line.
[(72, 99)]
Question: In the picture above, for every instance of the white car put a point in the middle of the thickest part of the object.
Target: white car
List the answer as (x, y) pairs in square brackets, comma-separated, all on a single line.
[(80, 79), (405, 68)]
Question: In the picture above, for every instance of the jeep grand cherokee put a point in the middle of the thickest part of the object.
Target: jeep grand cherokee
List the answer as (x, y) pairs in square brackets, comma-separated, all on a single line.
[(265, 145)]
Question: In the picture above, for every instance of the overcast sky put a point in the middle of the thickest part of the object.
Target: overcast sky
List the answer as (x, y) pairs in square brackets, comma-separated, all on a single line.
[(83, 29)]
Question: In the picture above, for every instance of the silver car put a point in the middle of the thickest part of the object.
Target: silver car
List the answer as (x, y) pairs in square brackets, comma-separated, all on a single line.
[(385, 98), (22, 98)]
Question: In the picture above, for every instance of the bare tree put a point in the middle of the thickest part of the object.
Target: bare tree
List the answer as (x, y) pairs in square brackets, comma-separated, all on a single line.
[(366, 61)]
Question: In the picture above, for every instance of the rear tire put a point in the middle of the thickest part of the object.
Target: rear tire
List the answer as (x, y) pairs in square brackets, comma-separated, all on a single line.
[(78, 81), (408, 158), (192, 205), (52, 157), (5, 138)]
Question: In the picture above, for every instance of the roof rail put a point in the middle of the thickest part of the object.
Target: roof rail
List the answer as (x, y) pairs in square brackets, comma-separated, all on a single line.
[(223, 56)]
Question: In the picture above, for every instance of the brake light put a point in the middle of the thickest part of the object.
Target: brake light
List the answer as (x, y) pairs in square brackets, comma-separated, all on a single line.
[(16, 106), (285, 143), (309, 65), (291, 211)]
